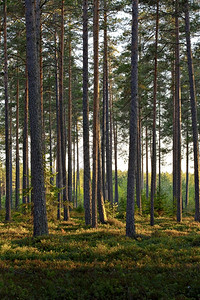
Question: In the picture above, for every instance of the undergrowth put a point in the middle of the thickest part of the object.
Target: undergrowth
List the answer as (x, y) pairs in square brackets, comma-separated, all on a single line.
[(78, 262)]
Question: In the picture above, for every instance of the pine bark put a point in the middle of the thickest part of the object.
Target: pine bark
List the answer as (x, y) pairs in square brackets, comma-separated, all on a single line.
[(25, 143), (116, 167), (101, 206), (108, 112), (58, 141), (147, 165), (37, 162), (153, 163), (138, 173), (130, 219), (17, 176), (187, 172), (86, 148), (193, 103), (77, 164), (69, 135), (61, 116), (178, 117), (95, 112), (7, 139)]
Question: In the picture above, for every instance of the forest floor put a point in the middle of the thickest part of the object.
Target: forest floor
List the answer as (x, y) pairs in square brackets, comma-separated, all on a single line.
[(77, 262)]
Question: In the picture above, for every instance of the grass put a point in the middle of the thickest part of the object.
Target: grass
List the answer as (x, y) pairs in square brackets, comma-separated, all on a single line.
[(78, 262)]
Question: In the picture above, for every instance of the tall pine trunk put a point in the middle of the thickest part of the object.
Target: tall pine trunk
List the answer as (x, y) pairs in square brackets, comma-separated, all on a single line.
[(130, 219), (61, 116), (86, 148), (193, 110), (115, 155), (25, 143), (69, 135), (187, 172), (17, 145), (37, 162), (178, 117), (7, 140), (153, 161), (95, 112), (147, 165), (58, 140)]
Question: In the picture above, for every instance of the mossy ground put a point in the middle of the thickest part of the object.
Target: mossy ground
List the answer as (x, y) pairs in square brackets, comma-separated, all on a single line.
[(77, 262)]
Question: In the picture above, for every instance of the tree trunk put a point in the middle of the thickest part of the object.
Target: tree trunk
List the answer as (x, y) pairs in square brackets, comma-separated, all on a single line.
[(11, 174), (69, 136), (77, 164), (147, 165), (159, 152), (178, 117), (193, 110), (174, 135), (50, 136), (130, 219), (58, 154), (86, 147), (25, 144), (111, 144), (187, 172), (153, 163), (115, 154), (105, 80), (7, 140), (95, 112), (74, 172), (17, 145), (138, 172), (62, 127), (37, 162), (101, 206)]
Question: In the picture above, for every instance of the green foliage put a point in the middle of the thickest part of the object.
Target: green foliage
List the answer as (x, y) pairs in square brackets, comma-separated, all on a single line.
[(111, 210), (77, 262)]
